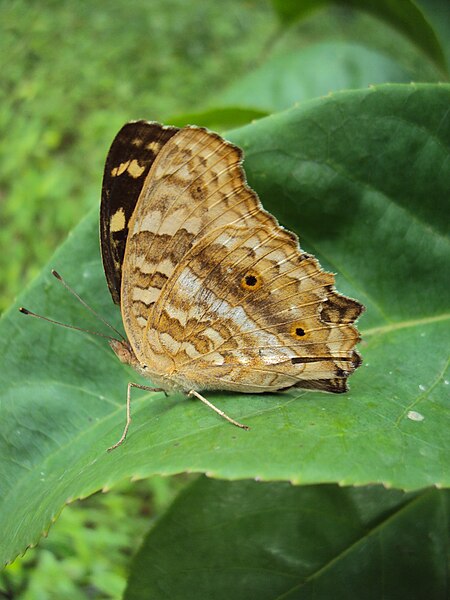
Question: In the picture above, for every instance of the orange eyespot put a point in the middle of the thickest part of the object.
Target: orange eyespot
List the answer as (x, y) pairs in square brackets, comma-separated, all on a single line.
[(298, 330), (251, 281)]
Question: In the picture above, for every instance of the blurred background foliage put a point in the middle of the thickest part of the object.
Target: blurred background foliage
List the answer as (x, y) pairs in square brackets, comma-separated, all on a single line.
[(72, 74)]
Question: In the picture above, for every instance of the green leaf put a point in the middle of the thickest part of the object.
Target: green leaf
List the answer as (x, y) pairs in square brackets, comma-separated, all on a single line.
[(219, 119), (309, 72), (363, 177), (403, 15), (264, 540)]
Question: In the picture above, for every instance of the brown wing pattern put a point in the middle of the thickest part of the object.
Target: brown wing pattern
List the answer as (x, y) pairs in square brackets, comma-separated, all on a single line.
[(195, 185), (215, 294), (247, 311), (129, 160)]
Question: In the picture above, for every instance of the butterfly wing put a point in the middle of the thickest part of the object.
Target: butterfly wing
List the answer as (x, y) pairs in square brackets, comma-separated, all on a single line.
[(128, 162), (213, 289), (195, 185), (246, 310)]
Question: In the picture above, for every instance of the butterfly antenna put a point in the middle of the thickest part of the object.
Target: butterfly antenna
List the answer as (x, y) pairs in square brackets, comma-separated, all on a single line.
[(25, 311), (86, 305)]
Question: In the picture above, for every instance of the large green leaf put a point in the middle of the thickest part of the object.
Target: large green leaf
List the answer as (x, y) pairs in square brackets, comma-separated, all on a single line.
[(265, 540), (363, 177), (309, 72), (219, 119), (403, 15)]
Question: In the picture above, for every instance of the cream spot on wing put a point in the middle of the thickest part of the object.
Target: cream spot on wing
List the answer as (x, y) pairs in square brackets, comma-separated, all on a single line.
[(184, 173), (191, 350), (142, 322), (278, 257), (144, 264), (272, 358), (241, 357), (225, 239), (192, 225), (151, 222), (252, 242), (147, 296), (214, 336), (166, 267), (171, 225), (119, 170), (154, 147), (169, 343), (188, 283), (215, 358), (176, 313), (135, 169), (224, 310), (117, 221), (160, 169), (131, 167)]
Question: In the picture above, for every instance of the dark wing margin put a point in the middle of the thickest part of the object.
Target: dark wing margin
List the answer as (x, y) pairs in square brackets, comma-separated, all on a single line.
[(129, 160)]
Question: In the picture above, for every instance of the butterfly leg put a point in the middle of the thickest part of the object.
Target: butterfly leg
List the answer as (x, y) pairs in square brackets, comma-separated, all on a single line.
[(217, 410), (127, 424)]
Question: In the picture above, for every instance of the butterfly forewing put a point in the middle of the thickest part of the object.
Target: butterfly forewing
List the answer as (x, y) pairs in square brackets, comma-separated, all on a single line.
[(129, 159), (196, 184)]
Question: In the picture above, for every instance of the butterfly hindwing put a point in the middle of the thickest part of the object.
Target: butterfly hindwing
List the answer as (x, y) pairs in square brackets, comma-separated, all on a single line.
[(129, 159), (245, 310)]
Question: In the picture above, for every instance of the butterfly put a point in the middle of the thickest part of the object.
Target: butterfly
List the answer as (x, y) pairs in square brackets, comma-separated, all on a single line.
[(214, 293)]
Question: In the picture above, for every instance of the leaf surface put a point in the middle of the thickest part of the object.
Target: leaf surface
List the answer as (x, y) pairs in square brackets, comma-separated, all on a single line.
[(313, 71), (219, 119), (404, 15), (271, 540), (363, 177)]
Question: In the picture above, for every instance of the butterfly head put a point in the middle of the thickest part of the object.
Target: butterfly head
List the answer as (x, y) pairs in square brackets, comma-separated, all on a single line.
[(124, 352), (126, 355)]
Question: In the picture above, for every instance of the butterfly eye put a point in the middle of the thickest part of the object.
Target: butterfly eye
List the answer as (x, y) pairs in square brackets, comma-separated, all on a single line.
[(251, 281), (298, 331)]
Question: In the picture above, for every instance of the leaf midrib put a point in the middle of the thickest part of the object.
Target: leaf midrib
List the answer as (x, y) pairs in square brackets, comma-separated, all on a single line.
[(370, 532), (382, 329)]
